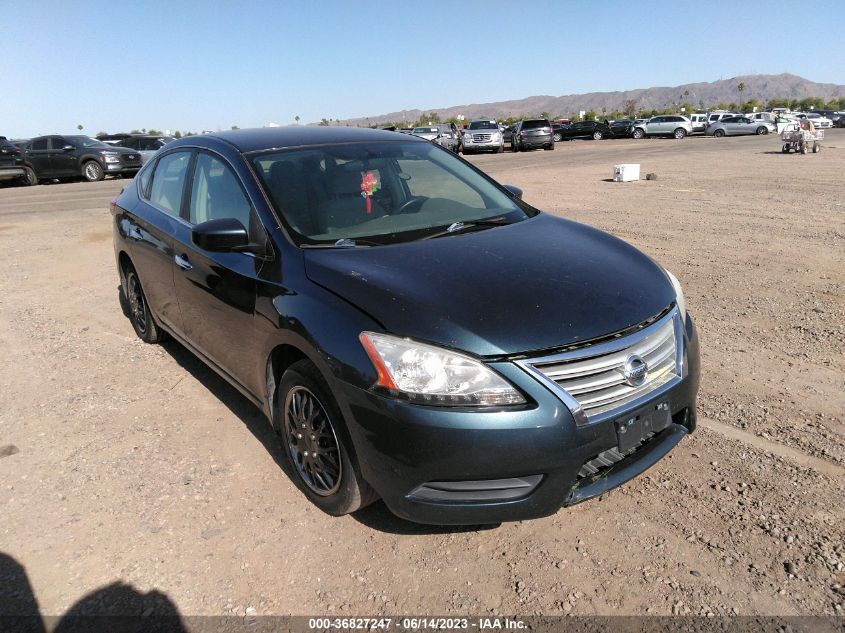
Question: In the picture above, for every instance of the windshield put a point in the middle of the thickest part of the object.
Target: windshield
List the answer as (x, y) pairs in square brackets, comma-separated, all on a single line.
[(425, 130), (385, 192), (483, 125), (86, 141)]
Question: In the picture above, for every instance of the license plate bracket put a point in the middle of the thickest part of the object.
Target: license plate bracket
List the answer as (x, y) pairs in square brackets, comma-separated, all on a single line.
[(634, 426)]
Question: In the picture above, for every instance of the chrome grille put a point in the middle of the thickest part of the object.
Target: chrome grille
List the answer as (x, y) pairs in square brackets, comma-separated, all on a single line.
[(592, 381), (481, 138)]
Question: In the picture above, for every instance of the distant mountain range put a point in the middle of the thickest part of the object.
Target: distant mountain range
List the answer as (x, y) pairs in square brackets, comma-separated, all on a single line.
[(760, 87)]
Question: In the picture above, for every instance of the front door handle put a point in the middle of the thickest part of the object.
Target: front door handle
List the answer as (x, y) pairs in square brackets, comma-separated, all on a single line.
[(182, 262)]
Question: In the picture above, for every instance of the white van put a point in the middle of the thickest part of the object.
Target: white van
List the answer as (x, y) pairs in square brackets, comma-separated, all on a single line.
[(698, 121)]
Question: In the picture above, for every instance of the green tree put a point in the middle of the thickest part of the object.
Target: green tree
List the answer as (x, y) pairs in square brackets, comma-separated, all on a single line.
[(590, 116), (630, 108), (810, 103), (177, 134), (235, 127), (101, 133), (79, 127), (153, 132), (324, 122)]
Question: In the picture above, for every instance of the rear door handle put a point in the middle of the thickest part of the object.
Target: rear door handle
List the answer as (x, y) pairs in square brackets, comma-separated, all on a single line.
[(182, 262)]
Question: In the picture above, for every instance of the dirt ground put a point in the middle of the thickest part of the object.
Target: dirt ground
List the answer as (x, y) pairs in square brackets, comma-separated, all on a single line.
[(122, 462)]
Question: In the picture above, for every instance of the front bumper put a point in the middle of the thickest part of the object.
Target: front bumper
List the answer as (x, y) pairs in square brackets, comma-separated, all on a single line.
[(435, 465), (483, 146)]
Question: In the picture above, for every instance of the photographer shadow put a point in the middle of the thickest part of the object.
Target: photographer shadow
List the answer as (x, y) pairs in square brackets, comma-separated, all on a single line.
[(114, 607)]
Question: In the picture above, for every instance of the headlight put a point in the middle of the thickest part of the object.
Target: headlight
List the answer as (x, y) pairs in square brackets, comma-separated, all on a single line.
[(679, 295), (112, 158), (432, 375)]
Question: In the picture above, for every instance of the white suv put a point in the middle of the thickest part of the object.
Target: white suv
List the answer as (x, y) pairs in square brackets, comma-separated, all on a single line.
[(483, 136), (664, 125)]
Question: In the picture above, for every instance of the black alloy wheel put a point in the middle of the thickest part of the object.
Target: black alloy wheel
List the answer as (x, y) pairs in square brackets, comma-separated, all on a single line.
[(312, 442)]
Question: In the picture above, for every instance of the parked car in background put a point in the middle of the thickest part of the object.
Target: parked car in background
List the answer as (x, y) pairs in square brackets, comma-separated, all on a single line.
[(621, 128), (483, 135), (835, 116), (595, 130), (114, 139), (75, 155), (664, 125), (769, 117), (442, 134), (507, 133), (698, 123), (459, 388), (146, 145), (13, 164), (738, 126), (819, 122), (718, 115), (532, 134)]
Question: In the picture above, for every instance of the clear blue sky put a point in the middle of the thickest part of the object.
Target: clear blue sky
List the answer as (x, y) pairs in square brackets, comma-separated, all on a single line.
[(189, 65)]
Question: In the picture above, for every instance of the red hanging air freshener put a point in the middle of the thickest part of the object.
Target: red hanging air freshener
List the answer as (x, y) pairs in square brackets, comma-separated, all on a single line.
[(369, 185)]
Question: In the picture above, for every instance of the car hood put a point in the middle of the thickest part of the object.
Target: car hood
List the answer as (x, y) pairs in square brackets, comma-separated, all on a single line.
[(542, 283)]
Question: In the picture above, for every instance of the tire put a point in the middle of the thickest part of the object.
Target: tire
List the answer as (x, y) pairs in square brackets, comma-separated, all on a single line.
[(139, 310), (550, 147), (762, 130), (92, 171), (785, 148), (29, 177), (499, 149), (719, 133), (638, 133), (816, 148), (679, 133), (304, 402), (597, 135), (803, 148), (557, 138)]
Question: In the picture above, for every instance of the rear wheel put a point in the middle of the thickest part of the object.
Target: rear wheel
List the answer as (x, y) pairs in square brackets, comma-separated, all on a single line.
[(316, 443), (93, 171), (638, 133), (785, 148), (719, 133), (139, 310), (680, 133), (29, 177), (762, 130), (557, 137)]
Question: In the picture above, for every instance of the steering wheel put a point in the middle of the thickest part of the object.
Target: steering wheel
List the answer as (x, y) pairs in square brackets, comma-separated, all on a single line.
[(407, 206)]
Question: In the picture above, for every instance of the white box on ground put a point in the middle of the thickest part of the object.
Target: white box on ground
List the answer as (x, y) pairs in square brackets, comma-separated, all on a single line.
[(626, 173)]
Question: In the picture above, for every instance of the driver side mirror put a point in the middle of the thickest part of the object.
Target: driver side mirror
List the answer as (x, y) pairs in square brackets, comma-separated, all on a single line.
[(516, 192), (222, 235)]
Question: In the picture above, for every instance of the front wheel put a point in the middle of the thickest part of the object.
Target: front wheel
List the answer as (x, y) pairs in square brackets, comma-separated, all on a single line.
[(785, 148), (93, 171), (638, 134), (719, 133), (316, 444), (762, 130), (557, 137), (816, 148), (549, 147), (680, 133), (597, 136)]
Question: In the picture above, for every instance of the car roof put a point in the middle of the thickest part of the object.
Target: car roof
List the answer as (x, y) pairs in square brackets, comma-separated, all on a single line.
[(257, 139)]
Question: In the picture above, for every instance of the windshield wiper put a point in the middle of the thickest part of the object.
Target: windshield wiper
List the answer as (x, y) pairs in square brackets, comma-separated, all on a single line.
[(344, 242), (459, 227)]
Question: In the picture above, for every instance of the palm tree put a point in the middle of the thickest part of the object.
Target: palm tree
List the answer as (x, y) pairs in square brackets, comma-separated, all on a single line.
[(740, 88), (296, 118), (79, 127)]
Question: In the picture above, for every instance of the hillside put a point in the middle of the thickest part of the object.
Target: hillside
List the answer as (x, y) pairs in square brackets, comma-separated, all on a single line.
[(760, 87)]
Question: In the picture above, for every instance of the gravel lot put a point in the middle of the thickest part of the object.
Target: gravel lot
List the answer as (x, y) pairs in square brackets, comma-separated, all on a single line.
[(122, 462)]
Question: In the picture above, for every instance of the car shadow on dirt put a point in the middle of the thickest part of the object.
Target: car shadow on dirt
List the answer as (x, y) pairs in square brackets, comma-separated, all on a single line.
[(378, 517)]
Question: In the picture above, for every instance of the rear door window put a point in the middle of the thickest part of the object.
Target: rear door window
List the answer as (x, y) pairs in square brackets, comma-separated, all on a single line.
[(169, 182), (39, 144)]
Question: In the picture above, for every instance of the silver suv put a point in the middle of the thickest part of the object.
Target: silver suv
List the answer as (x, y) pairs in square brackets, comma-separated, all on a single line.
[(483, 136), (664, 125)]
